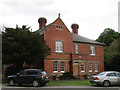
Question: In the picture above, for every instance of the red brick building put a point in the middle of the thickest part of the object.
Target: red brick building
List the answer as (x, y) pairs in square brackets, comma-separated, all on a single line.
[(70, 52)]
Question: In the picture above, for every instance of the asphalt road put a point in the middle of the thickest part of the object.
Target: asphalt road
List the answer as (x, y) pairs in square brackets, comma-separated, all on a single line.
[(81, 87)]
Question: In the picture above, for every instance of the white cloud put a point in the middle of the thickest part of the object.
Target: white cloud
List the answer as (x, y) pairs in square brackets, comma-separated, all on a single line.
[(93, 16)]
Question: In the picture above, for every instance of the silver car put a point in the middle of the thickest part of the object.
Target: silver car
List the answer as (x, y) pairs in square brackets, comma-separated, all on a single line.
[(106, 78)]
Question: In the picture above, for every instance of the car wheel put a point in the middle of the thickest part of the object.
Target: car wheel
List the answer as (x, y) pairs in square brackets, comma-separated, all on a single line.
[(106, 83), (35, 83), (11, 82)]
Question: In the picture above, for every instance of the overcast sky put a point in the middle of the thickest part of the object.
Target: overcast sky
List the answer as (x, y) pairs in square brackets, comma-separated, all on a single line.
[(93, 16)]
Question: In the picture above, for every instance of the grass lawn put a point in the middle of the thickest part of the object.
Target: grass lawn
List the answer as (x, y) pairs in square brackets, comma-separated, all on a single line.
[(70, 83)]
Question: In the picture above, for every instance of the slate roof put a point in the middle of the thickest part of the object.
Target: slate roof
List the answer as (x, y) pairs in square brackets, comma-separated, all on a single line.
[(76, 38), (81, 39)]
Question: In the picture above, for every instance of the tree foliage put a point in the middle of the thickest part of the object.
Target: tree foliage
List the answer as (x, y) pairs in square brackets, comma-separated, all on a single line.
[(112, 48), (21, 45), (108, 36), (114, 55)]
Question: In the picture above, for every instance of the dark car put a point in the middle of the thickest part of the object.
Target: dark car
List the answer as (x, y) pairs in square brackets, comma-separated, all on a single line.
[(36, 77)]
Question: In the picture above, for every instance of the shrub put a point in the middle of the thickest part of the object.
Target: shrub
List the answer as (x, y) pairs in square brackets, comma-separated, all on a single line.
[(11, 70), (67, 75)]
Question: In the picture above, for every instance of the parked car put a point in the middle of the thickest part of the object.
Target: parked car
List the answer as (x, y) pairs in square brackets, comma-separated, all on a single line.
[(106, 78), (36, 77)]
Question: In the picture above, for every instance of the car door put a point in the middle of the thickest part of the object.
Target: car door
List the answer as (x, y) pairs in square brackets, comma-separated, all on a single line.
[(30, 76), (112, 77), (20, 77)]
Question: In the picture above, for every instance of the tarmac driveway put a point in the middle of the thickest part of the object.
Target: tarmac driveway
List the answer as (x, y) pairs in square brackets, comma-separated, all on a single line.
[(81, 87)]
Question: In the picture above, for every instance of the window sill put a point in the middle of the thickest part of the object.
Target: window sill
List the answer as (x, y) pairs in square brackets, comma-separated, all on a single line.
[(59, 51), (92, 54), (82, 71), (62, 71), (90, 71), (96, 71), (59, 28), (55, 71)]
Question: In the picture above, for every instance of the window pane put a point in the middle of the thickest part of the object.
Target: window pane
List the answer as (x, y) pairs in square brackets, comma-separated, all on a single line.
[(76, 48), (62, 66), (92, 50), (82, 67), (55, 66), (90, 67), (59, 46), (118, 74), (111, 74), (76, 62), (96, 67)]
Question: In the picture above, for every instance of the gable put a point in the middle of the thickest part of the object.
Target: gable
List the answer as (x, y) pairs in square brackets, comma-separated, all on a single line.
[(58, 24)]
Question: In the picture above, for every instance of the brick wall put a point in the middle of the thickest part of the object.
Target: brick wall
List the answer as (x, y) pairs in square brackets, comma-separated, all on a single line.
[(58, 31)]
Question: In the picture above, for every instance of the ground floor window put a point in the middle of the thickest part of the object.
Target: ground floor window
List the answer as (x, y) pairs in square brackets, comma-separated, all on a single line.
[(62, 64), (82, 67), (96, 67), (55, 66), (76, 62), (90, 67)]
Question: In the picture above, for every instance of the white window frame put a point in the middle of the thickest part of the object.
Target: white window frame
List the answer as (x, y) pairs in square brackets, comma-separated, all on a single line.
[(62, 66), (90, 67), (76, 49), (76, 62), (92, 50), (59, 46), (96, 67), (82, 67), (55, 66)]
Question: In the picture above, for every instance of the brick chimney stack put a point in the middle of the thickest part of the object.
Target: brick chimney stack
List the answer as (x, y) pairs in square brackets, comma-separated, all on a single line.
[(75, 28), (42, 22)]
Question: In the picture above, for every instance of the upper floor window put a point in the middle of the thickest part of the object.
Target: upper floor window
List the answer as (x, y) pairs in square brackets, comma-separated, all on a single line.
[(76, 48), (92, 50), (59, 46)]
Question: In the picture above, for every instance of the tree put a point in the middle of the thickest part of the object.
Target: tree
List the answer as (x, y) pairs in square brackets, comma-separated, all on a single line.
[(115, 63), (114, 48), (114, 55), (21, 45), (111, 39), (108, 36)]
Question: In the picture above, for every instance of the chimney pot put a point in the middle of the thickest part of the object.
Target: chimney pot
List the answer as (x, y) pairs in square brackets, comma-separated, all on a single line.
[(42, 22), (75, 28)]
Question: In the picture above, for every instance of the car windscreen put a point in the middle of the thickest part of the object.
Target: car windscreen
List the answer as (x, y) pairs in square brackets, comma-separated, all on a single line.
[(43, 72)]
